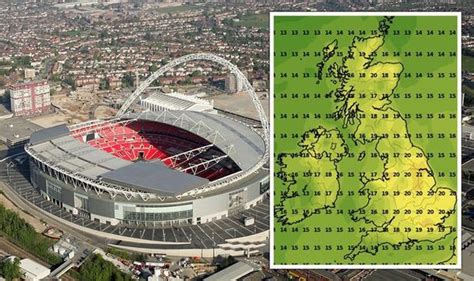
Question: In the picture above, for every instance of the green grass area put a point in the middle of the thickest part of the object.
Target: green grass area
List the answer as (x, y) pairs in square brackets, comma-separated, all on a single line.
[(126, 255), (255, 20), (96, 268), (467, 63), (177, 9)]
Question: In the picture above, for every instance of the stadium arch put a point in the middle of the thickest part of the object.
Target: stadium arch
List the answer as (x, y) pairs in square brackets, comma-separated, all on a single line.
[(247, 87)]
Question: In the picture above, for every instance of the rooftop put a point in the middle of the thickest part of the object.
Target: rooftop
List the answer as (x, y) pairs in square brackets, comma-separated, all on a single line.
[(234, 272), (28, 84), (49, 134), (34, 269), (175, 101), (76, 156), (16, 130), (395, 274)]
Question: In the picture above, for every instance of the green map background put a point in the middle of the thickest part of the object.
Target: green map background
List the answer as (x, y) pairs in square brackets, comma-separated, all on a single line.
[(323, 105)]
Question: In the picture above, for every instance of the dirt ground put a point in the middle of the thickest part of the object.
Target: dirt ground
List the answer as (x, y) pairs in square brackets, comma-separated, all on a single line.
[(50, 120), (103, 112)]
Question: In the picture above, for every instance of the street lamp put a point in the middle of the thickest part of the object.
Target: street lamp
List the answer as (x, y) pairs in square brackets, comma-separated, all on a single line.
[(213, 246)]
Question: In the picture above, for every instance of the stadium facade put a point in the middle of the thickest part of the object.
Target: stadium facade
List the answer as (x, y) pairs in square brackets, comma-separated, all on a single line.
[(165, 168)]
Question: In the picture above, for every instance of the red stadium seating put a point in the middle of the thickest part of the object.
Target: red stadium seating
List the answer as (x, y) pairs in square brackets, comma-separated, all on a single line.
[(148, 140)]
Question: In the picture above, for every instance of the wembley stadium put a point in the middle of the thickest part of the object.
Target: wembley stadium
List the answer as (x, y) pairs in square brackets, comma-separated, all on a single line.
[(168, 181)]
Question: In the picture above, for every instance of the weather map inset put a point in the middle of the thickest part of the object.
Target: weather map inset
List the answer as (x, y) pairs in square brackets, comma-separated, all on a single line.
[(365, 151)]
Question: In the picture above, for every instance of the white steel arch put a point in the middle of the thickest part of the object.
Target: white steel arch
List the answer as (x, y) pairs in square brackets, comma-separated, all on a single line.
[(209, 57)]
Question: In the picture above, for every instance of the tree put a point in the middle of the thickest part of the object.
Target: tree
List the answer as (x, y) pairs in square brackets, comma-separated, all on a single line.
[(96, 268), (228, 22), (468, 95), (119, 253), (156, 83), (70, 81), (11, 269), (127, 80), (148, 36), (139, 257), (18, 231), (84, 50), (223, 262), (152, 68), (23, 61), (103, 34), (6, 97), (104, 84), (187, 80), (97, 56), (230, 260)]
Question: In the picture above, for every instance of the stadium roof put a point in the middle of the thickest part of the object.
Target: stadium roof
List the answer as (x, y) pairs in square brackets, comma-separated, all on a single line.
[(249, 146), (49, 134), (169, 101), (58, 148), (154, 177), (75, 156), (177, 101)]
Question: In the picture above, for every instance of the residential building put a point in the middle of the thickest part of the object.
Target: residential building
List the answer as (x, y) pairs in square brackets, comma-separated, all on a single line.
[(30, 98), (233, 84), (30, 73)]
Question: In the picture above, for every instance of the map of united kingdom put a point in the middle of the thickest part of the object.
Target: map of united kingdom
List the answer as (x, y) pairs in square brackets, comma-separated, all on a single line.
[(365, 163)]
